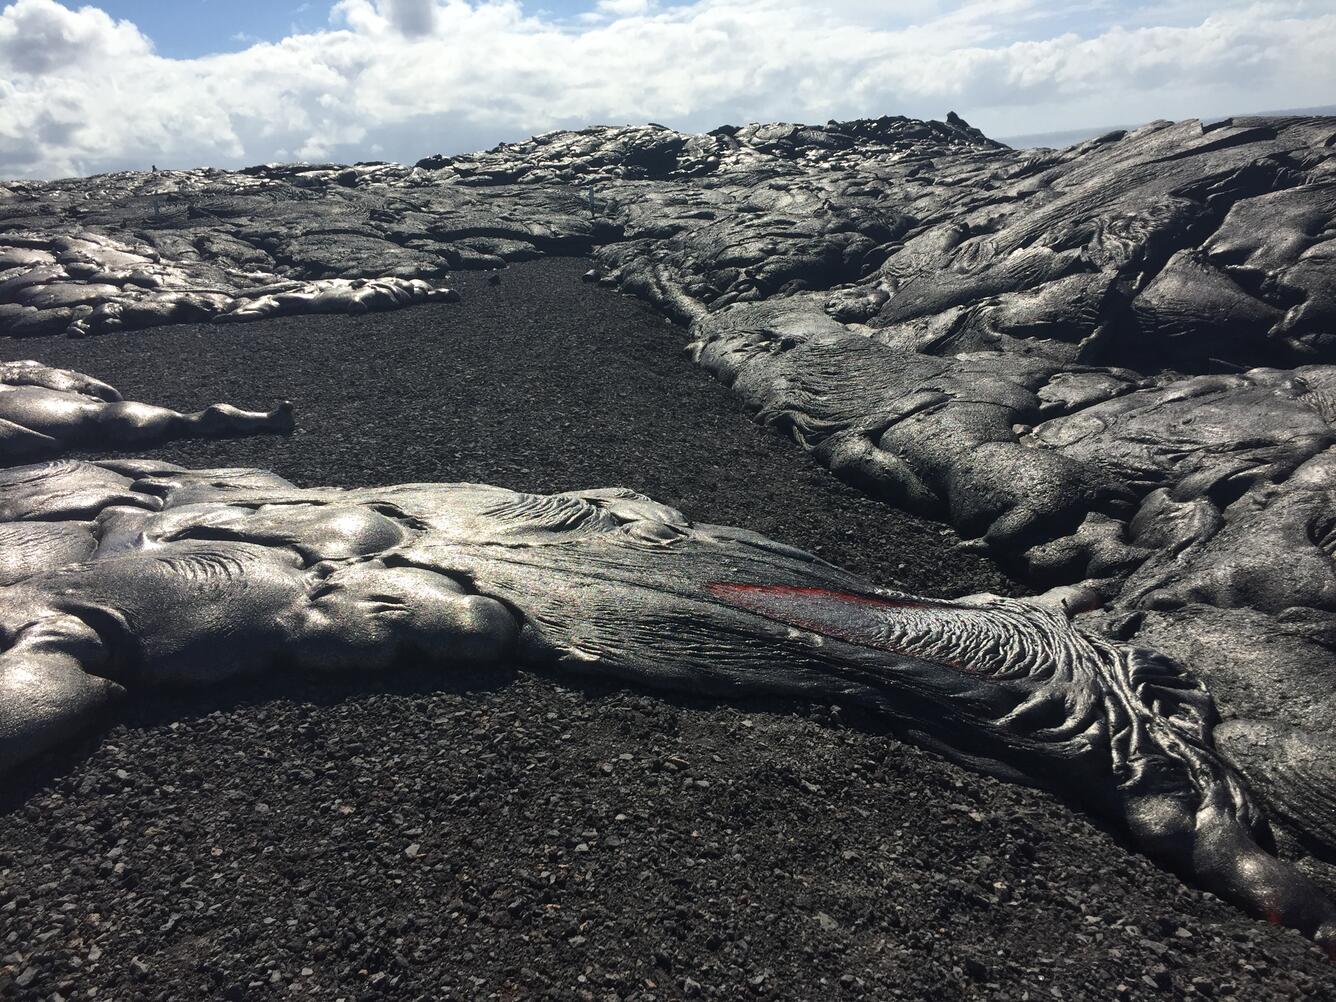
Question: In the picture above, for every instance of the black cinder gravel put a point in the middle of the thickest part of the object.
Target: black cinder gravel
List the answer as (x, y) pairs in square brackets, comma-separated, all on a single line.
[(539, 382), (426, 835), (472, 837)]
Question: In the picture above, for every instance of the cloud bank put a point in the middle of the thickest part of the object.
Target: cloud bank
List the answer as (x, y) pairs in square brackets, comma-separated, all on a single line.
[(398, 79)]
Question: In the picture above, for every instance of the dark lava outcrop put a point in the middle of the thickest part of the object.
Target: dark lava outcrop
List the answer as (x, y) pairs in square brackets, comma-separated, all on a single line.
[(132, 574), (44, 411), (1109, 365), (79, 280)]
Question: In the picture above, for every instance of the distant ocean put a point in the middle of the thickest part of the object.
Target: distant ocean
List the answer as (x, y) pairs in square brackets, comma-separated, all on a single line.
[(1068, 137)]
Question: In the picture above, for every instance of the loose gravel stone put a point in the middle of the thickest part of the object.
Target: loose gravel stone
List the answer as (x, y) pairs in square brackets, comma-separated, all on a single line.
[(712, 845)]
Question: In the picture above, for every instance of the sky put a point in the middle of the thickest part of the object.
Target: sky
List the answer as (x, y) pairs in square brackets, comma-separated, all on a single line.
[(118, 84)]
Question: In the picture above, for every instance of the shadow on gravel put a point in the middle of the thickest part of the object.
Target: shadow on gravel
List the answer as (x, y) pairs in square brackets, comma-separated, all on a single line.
[(963, 749), (161, 708)]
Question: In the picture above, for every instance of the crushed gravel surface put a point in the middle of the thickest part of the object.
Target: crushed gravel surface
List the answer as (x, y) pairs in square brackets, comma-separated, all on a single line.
[(510, 836), (537, 382)]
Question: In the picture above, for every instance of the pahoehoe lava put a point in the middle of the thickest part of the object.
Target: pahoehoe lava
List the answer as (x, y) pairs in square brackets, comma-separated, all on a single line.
[(164, 576), (1108, 366), (45, 411)]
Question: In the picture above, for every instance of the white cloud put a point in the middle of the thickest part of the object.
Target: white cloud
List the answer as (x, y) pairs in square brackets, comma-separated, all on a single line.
[(81, 92), (412, 18), (624, 8), (38, 38)]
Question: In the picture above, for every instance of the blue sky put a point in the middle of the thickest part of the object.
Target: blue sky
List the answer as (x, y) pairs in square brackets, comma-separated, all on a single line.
[(112, 84), (187, 28)]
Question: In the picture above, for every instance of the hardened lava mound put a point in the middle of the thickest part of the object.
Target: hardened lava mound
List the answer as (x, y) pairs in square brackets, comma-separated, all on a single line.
[(1109, 366), (126, 575), (45, 411)]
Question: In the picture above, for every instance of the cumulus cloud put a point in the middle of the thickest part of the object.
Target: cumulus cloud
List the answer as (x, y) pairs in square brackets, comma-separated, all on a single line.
[(412, 17), (81, 92), (45, 38), (623, 8)]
